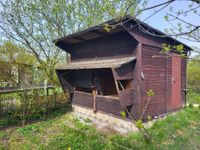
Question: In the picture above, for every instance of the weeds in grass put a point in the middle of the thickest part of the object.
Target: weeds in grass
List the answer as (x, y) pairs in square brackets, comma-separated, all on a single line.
[(193, 97), (177, 131)]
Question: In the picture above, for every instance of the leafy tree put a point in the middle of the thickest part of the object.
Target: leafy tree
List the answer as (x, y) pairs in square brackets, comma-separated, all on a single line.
[(35, 24), (193, 74), (14, 62), (181, 27)]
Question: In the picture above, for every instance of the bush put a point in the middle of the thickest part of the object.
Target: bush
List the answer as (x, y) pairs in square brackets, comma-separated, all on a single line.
[(9, 120), (193, 97), (30, 106), (193, 74)]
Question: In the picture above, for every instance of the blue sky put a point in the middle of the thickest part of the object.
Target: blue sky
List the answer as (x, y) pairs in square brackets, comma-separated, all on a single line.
[(158, 21)]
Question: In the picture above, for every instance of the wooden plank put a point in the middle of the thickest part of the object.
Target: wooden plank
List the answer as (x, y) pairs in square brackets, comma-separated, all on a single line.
[(116, 84), (106, 104), (126, 97), (125, 72), (118, 44), (139, 80), (176, 82), (23, 89), (154, 70), (100, 33)]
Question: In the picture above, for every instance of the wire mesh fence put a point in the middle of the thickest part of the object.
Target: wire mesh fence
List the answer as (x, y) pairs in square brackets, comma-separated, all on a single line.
[(19, 108)]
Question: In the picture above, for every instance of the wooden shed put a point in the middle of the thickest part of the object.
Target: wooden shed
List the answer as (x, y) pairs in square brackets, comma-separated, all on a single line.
[(112, 71)]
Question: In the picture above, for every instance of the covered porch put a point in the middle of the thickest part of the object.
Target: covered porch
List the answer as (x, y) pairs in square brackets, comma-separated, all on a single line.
[(105, 85)]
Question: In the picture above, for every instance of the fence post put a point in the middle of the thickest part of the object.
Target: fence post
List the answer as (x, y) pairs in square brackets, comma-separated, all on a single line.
[(47, 101), (0, 106)]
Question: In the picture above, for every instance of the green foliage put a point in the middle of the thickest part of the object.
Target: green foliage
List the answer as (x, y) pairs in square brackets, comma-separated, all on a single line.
[(9, 120), (13, 53), (193, 80), (37, 23), (193, 97), (177, 17), (166, 48), (14, 64), (193, 74), (150, 93), (176, 131), (108, 27), (191, 105), (149, 118), (166, 18), (123, 114), (139, 124), (31, 106), (29, 129), (180, 48)]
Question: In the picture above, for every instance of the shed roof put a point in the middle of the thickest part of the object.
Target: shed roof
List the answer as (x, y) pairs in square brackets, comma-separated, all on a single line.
[(97, 64), (98, 31)]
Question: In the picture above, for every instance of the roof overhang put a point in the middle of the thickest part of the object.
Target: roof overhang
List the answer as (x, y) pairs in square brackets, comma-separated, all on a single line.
[(92, 32), (98, 31), (97, 64)]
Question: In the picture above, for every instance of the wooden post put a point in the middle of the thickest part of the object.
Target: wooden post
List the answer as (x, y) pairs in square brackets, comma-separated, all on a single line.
[(1, 106), (116, 84), (47, 101), (94, 93), (139, 80)]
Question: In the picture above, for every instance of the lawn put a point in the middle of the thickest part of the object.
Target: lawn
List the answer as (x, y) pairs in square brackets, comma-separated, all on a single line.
[(193, 97), (176, 131)]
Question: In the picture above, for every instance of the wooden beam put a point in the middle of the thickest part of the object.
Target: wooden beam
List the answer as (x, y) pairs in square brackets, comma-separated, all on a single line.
[(139, 80), (116, 84), (66, 73), (94, 93), (18, 89), (80, 39), (121, 85), (100, 33)]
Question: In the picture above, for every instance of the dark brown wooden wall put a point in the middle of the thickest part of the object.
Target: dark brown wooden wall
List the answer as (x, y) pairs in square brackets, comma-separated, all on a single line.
[(183, 80), (136, 108), (125, 72), (168, 84), (104, 104), (118, 44), (158, 77), (154, 70), (157, 72)]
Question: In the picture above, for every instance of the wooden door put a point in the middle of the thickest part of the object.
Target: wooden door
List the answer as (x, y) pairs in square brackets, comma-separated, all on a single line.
[(176, 82)]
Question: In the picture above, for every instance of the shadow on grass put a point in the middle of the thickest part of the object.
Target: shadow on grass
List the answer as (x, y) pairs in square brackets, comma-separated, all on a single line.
[(14, 118)]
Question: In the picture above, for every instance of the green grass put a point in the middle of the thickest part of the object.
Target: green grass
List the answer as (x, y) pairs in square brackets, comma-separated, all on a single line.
[(193, 97), (176, 131)]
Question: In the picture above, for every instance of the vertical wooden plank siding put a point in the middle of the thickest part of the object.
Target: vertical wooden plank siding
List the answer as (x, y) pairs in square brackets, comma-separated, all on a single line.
[(183, 80), (176, 82), (154, 71), (126, 97), (145, 73), (168, 83), (115, 80), (169, 106), (136, 108)]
